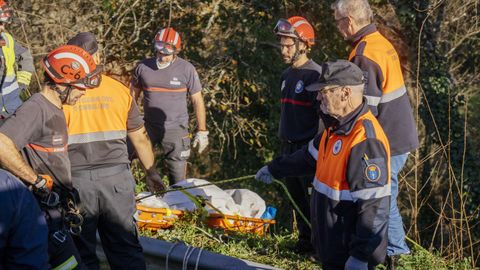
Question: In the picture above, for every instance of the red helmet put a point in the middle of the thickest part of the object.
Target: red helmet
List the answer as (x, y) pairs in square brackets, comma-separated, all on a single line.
[(6, 12), (168, 41), (296, 27), (72, 65)]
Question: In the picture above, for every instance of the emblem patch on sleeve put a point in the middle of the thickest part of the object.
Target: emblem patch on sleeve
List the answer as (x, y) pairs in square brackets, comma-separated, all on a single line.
[(373, 172), (337, 146), (299, 87)]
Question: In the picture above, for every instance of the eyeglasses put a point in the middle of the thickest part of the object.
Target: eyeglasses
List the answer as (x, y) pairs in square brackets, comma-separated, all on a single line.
[(164, 47)]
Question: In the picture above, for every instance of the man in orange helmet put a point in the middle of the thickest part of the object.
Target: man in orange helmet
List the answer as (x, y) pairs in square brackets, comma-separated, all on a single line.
[(16, 66), (165, 81), (299, 119), (39, 130), (98, 127)]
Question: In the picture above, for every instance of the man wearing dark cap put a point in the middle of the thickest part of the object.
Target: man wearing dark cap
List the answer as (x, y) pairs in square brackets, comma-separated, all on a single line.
[(351, 162), (98, 126)]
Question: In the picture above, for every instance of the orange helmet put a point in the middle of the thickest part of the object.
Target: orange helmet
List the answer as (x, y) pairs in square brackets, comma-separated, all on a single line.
[(72, 65), (6, 12), (168, 41), (296, 27)]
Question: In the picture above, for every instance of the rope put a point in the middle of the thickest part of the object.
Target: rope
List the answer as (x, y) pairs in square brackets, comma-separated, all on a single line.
[(198, 258), (282, 185), (161, 193), (293, 202), (168, 254), (186, 256), (417, 245)]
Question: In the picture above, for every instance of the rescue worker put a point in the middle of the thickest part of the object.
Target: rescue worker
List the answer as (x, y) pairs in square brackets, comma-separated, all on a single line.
[(386, 95), (98, 126), (14, 80), (38, 129), (299, 117), (165, 81), (351, 162), (23, 229)]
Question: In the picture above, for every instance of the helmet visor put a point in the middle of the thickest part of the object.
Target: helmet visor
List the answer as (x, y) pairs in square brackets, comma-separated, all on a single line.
[(6, 14), (91, 80), (283, 27), (164, 47)]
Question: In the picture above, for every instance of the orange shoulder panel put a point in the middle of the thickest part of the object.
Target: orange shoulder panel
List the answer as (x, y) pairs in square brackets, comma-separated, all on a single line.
[(379, 50), (101, 109)]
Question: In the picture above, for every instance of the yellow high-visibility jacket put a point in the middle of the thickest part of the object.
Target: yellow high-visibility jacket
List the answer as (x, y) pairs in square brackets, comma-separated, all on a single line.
[(16, 69)]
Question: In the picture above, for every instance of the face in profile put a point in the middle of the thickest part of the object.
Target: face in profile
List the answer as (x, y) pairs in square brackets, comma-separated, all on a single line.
[(343, 25), (287, 49), (330, 99)]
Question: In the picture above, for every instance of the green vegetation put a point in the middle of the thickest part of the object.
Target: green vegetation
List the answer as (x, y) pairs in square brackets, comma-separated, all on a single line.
[(276, 248), (232, 46)]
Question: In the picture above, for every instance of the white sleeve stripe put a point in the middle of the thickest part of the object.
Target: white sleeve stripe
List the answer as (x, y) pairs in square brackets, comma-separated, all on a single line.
[(312, 150)]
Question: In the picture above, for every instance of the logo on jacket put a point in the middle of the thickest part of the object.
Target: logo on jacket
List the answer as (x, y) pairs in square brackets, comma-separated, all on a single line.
[(283, 86), (57, 140), (175, 81), (337, 146), (299, 87), (372, 172)]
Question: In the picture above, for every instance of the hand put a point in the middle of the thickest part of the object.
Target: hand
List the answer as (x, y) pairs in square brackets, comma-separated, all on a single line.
[(264, 175), (155, 182), (43, 185), (355, 264), (201, 139)]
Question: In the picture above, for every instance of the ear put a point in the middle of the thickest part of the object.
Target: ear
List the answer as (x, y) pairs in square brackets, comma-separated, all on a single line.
[(346, 93)]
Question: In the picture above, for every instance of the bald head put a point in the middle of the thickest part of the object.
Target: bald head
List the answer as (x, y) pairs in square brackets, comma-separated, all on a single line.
[(358, 10)]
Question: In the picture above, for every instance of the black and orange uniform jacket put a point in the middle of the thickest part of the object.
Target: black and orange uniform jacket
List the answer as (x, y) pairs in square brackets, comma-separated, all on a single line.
[(385, 92), (351, 199), (299, 119), (98, 124), (38, 128)]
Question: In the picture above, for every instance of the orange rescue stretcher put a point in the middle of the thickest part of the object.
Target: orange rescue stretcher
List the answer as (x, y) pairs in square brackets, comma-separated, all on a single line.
[(154, 219), (239, 224)]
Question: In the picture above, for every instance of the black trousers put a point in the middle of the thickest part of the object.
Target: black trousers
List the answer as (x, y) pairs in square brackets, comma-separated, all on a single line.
[(298, 188), (108, 205)]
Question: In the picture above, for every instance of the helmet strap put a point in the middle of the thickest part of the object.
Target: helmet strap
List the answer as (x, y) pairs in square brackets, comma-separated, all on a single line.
[(298, 52), (63, 95)]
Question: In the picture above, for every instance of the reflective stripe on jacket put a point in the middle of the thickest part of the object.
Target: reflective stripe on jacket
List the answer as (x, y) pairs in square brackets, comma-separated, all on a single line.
[(98, 125), (10, 88)]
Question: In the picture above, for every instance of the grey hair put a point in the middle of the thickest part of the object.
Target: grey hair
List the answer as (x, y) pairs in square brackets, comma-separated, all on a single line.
[(359, 10), (358, 88)]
